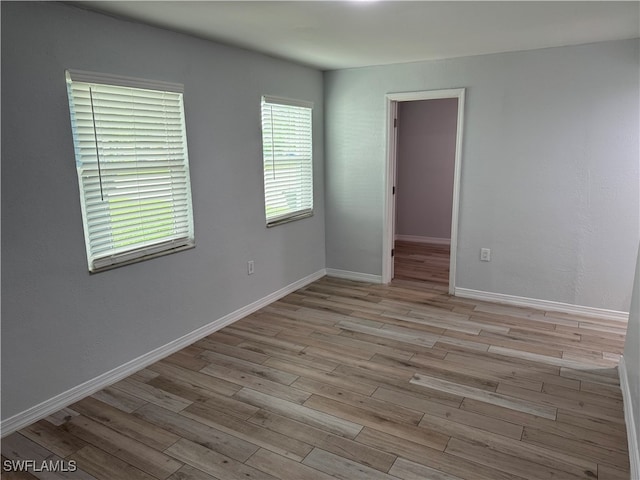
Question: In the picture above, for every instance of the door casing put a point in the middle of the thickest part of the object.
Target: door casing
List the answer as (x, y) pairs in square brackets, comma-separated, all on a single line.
[(392, 100)]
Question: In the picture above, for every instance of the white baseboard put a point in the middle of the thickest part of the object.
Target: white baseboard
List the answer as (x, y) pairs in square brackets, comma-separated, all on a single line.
[(78, 392), (356, 276), (632, 434), (542, 304), (419, 239)]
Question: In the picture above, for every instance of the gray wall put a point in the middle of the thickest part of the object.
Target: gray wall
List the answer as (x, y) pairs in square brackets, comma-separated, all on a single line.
[(62, 326), (632, 351), (425, 162), (549, 169)]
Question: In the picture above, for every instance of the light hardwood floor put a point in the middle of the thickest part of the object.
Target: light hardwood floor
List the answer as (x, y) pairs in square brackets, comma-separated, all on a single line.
[(421, 262), (360, 382)]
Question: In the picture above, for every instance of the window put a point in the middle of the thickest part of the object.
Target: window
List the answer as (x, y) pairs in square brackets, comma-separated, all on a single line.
[(288, 160), (133, 167)]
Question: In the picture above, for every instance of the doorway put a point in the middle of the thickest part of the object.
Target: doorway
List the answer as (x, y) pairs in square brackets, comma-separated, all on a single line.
[(395, 102)]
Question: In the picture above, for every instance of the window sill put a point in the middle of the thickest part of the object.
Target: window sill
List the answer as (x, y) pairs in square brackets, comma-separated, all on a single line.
[(143, 258), (290, 218)]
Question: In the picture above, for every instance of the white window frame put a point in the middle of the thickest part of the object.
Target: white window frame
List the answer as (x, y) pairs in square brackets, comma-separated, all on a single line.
[(132, 162), (289, 196)]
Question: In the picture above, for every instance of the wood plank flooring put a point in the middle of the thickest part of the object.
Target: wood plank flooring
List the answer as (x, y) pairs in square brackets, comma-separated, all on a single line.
[(421, 262), (354, 381)]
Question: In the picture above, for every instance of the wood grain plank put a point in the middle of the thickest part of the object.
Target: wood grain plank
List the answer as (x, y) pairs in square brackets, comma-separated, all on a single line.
[(424, 436), (328, 378), (316, 437), (536, 357), (376, 320), (304, 414), (144, 375), (277, 360), (119, 399), (304, 357), (233, 351), (524, 376), (187, 472), (414, 400), (446, 341), (404, 335), (582, 448), (219, 359), (606, 472), (224, 337), (17, 447), (295, 322), (583, 395), (396, 413), (151, 394), (276, 342), (482, 454), (214, 463), (53, 438), (496, 340), (198, 394), (603, 376), (275, 464), (606, 426), (448, 321), (11, 473), (209, 437), (454, 414), (250, 324), (514, 403), (433, 458), (342, 468), (132, 452), (555, 402), (374, 377), (61, 416), (591, 357), (106, 467), (458, 355), (364, 346), (281, 444), (613, 438), (128, 425), (255, 382), (409, 470), (207, 382), (549, 457), (467, 376), (186, 361)]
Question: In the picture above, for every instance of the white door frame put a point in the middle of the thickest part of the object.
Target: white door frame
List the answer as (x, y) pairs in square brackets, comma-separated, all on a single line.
[(390, 177)]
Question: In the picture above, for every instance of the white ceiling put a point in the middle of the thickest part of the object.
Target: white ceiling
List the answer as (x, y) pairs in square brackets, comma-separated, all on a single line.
[(341, 34)]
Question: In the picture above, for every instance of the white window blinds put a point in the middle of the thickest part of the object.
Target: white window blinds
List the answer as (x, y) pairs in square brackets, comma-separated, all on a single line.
[(288, 159), (133, 167)]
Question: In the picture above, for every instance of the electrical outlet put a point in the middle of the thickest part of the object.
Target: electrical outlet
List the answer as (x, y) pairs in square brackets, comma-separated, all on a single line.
[(485, 254), (250, 267)]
